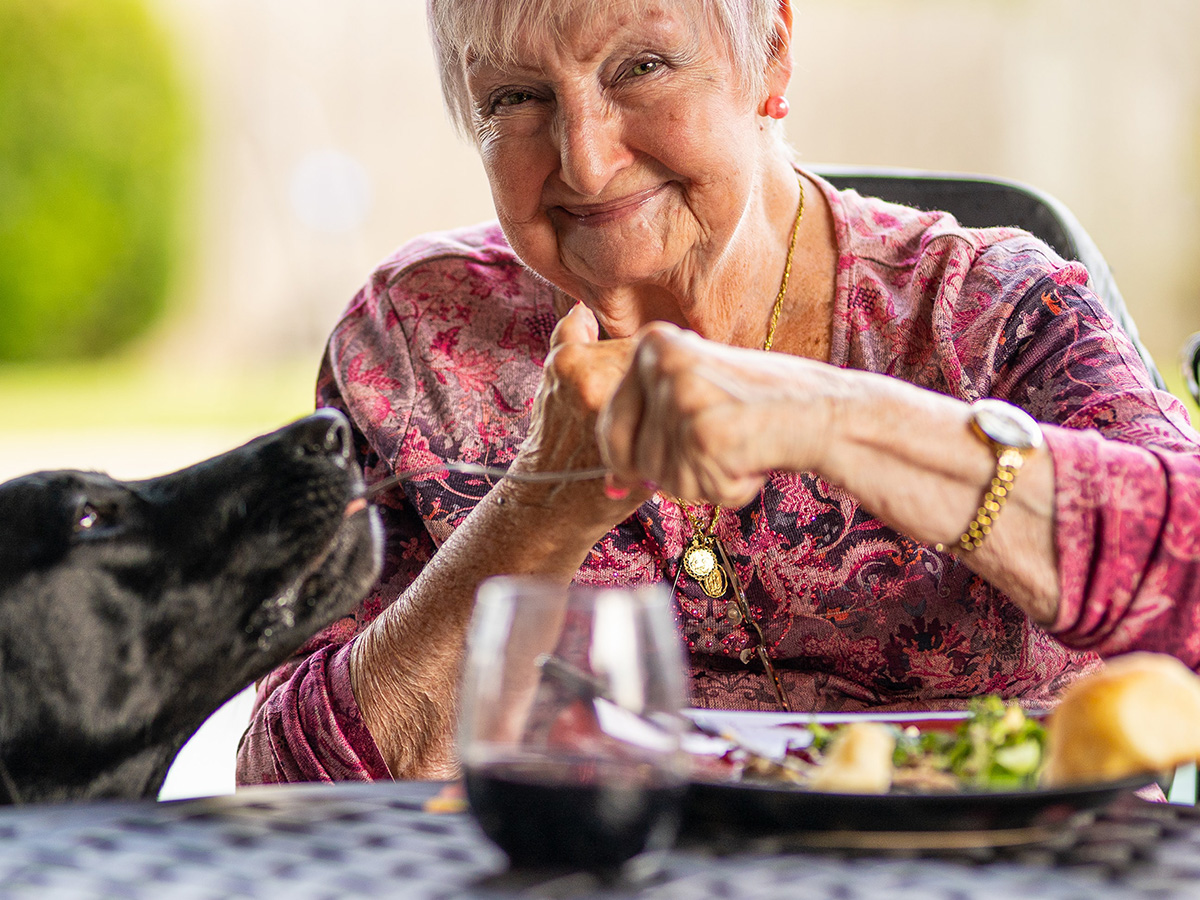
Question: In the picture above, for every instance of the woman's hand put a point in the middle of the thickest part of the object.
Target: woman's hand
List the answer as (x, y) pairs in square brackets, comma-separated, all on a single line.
[(580, 374), (704, 421)]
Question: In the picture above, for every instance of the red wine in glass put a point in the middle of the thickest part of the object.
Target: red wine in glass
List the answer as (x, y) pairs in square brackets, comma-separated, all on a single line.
[(573, 814), (569, 726)]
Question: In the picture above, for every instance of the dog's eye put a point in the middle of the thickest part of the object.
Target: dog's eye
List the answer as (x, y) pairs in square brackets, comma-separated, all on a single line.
[(88, 517)]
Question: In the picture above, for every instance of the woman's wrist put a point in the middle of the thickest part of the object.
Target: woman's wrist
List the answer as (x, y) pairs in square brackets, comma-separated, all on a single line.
[(874, 419), (826, 418), (554, 526), (578, 512), (912, 459)]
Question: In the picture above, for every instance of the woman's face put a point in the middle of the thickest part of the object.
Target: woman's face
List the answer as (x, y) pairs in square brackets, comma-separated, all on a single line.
[(627, 154)]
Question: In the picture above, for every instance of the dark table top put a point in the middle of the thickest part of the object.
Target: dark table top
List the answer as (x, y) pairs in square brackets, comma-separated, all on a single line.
[(363, 840)]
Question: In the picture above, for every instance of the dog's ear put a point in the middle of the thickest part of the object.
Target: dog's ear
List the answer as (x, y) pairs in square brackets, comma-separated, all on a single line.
[(35, 525)]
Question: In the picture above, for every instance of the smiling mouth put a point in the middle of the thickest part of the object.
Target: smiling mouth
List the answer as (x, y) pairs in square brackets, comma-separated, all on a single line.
[(598, 213)]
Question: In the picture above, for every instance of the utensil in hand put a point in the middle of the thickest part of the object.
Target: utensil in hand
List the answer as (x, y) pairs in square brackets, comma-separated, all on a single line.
[(555, 775)]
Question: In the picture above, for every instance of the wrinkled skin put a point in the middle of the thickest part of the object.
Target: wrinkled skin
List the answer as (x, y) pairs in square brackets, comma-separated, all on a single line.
[(130, 611)]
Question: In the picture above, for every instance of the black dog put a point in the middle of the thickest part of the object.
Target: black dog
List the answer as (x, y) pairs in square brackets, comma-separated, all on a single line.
[(130, 611)]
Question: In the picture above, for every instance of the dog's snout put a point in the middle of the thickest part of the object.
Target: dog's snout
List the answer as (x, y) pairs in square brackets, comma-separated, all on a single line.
[(326, 433)]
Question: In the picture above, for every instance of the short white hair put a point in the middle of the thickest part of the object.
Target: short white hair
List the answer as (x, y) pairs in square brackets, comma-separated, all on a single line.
[(491, 29)]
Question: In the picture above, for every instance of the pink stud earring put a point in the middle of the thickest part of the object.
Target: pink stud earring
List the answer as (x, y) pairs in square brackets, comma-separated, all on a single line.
[(776, 106)]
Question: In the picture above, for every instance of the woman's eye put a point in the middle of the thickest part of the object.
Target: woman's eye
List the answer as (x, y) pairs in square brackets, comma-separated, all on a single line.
[(645, 68), (512, 98)]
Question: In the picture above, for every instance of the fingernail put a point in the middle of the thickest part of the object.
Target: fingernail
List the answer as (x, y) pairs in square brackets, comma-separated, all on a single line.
[(613, 492)]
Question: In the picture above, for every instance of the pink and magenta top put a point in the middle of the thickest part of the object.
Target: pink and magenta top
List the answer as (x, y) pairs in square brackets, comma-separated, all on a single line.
[(438, 358)]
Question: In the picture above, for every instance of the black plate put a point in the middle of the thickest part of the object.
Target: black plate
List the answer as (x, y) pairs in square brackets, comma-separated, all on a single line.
[(913, 820), (762, 807)]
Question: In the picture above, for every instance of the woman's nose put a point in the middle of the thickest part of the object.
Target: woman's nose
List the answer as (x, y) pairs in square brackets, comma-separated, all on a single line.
[(591, 146)]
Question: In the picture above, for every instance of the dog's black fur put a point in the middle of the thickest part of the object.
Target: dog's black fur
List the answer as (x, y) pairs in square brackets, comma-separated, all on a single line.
[(130, 611)]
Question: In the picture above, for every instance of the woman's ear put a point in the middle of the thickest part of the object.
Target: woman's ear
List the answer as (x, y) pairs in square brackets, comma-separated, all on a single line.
[(779, 63)]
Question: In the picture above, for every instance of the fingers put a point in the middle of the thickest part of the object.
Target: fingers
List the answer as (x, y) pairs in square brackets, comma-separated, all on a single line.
[(636, 425), (618, 427), (578, 378), (676, 420), (633, 453), (578, 326), (580, 367)]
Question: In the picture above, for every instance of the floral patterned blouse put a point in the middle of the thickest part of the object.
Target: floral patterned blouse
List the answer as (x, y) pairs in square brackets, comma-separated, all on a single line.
[(438, 358)]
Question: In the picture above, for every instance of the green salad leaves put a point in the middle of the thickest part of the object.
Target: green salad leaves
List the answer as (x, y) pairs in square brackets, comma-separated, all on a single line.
[(997, 747)]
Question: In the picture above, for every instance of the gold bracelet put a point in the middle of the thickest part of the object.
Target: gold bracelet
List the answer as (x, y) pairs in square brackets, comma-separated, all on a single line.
[(1012, 435), (1007, 467)]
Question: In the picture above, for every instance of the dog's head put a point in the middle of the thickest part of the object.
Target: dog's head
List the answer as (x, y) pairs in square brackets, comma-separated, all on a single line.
[(130, 611)]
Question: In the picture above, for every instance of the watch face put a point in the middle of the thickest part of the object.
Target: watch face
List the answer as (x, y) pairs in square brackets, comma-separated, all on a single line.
[(1006, 424)]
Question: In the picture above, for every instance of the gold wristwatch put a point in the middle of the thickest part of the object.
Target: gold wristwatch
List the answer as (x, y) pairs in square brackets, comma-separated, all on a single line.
[(1012, 434)]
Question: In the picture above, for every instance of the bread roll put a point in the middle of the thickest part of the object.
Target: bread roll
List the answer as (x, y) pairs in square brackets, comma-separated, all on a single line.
[(1140, 714), (859, 761)]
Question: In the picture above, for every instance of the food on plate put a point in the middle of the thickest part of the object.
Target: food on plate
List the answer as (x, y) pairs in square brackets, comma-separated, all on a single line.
[(996, 747), (858, 761), (1140, 713)]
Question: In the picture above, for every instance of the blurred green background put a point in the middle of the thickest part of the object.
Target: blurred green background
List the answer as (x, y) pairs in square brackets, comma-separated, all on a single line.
[(94, 141), (100, 146)]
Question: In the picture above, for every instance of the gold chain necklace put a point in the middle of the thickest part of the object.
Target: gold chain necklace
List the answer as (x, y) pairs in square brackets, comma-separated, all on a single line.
[(700, 557)]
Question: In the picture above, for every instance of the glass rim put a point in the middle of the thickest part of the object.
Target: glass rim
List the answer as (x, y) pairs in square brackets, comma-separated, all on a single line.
[(499, 587)]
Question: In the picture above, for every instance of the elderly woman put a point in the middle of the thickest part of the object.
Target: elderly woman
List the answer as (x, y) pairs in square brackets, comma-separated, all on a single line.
[(808, 382)]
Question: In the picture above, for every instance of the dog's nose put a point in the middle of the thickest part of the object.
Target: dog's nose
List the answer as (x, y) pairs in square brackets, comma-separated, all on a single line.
[(327, 431)]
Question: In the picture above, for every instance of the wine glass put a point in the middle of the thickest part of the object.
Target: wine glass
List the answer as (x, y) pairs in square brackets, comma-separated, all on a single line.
[(570, 726)]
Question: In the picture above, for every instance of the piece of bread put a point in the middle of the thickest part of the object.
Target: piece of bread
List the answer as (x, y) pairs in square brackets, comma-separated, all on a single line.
[(859, 761), (1139, 714)]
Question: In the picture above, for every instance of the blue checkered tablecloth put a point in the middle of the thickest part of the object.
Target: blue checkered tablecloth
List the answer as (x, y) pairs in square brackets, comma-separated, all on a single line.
[(338, 841)]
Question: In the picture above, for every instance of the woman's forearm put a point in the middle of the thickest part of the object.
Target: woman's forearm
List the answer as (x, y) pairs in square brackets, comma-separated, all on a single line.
[(707, 421), (405, 666), (912, 459)]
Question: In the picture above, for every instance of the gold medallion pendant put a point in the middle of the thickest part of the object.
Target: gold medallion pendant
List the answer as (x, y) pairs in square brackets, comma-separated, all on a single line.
[(699, 559), (714, 583), (700, 562)]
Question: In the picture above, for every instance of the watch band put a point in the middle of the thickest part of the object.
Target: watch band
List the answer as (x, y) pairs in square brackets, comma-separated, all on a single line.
[(1012, 435)]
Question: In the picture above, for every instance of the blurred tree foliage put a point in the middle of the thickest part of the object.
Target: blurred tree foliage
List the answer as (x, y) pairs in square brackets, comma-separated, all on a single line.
[(93, 138)]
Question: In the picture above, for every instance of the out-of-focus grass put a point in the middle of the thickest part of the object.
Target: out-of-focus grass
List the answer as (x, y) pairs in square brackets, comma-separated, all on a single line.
[(121, 393)]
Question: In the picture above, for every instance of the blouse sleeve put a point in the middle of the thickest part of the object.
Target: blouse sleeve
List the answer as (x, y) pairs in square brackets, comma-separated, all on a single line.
[(306, 724), (1128, 533), (1127, 474)]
